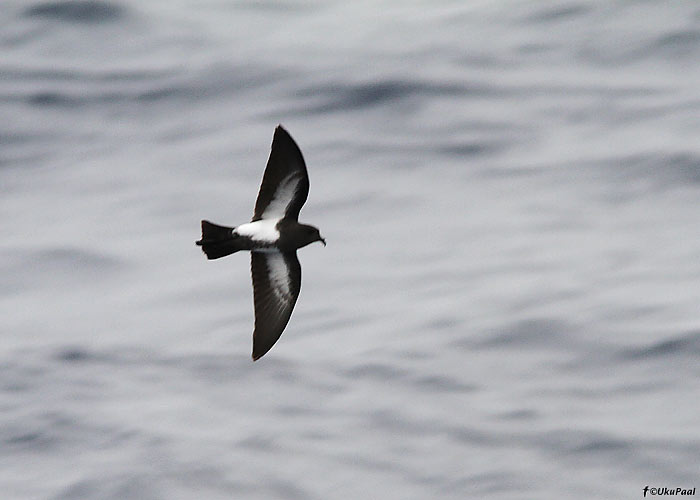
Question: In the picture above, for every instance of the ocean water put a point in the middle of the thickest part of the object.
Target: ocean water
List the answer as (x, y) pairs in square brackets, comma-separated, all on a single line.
[(508, 305)]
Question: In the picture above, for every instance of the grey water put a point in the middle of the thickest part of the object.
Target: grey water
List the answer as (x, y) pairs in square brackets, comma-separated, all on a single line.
[(508, 305)]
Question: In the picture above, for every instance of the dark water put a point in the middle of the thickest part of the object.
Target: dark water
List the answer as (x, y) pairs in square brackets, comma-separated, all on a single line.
[(508, 304)]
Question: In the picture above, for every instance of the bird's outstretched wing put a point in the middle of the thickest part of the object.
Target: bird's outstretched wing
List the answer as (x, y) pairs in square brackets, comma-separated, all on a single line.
[(285, 184), (276, 285)]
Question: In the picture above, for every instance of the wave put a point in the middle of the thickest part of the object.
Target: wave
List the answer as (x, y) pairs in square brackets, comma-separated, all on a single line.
[(687, 344), (77, 11)]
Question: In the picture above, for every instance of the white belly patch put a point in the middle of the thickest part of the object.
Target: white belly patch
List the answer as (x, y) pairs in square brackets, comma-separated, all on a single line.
[(261, 230)]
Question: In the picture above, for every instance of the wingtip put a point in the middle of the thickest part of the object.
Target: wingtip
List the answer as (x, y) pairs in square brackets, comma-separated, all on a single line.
[(283, 139), (259, 351), (279, 129), (256, 354)]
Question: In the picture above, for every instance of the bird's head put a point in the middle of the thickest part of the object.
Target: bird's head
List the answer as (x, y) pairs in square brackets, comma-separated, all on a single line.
[(310, 234)]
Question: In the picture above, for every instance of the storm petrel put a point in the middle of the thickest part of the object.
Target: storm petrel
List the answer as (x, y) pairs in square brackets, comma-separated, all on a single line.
[(272, 237)]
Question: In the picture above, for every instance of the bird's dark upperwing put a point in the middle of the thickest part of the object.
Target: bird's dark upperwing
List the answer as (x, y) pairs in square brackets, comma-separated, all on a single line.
[(285, 184), (276, 285)]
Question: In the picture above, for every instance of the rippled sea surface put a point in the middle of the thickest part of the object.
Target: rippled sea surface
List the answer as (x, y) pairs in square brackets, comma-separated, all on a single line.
[(508, 306)]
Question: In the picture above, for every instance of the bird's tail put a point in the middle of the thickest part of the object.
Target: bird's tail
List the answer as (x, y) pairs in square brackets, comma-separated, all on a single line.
[(217, 241)]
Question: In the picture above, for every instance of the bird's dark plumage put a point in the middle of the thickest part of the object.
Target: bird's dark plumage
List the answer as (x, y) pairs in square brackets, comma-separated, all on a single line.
[(217, 241), (276, 285), (285, 184), (273, 236)]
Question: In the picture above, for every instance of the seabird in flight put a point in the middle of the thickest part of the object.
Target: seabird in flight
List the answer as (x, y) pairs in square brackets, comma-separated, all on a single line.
[(272, 237)]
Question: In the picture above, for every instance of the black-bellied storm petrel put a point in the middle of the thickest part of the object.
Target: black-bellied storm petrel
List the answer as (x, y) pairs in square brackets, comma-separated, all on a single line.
[(273, 237)]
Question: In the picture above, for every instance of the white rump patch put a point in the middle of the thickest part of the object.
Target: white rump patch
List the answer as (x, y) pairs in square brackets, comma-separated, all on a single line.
[(279, 276), (261, 230), (284, 194)]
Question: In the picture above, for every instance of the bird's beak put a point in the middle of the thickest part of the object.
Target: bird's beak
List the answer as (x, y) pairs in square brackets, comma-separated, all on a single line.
[(322, 240)]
